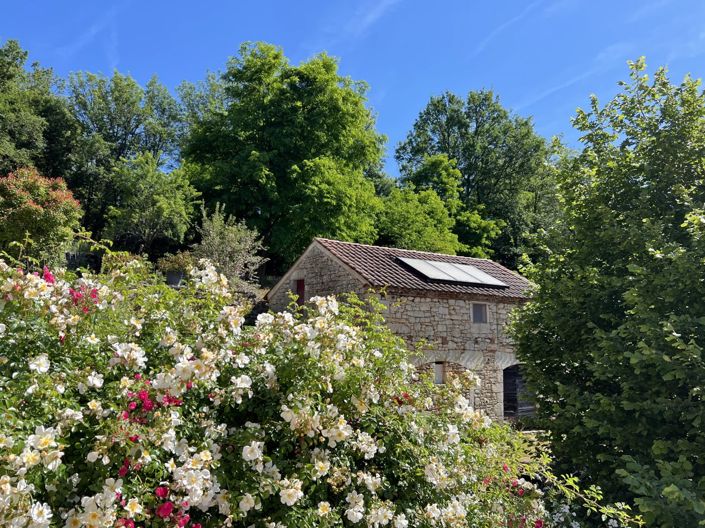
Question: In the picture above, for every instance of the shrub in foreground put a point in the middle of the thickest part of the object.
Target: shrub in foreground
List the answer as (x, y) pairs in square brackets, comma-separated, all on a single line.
[(126, 403), (40, 208)]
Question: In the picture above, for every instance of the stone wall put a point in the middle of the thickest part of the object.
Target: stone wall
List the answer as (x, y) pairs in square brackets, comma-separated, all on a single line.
[(443, 322), (445, 329), (323, 275)]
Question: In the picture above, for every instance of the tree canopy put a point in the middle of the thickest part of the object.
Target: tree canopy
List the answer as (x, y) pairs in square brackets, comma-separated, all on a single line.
[(411, 220), (118, 119), (499, 157), (288, 149), (38, 212), (151, 204), (612, 341)]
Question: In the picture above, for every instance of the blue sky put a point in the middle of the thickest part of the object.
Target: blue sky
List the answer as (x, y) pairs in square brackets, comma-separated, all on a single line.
[(543, 58)]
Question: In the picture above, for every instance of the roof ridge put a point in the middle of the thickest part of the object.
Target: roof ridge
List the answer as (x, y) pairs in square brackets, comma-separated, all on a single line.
[(403, 249)]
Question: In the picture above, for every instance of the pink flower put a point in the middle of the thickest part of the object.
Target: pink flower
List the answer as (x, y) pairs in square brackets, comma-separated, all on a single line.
[(538, 524), (47, 276), (127, 523), (162, 492), (505, 468), (164, 510), (183, 520)]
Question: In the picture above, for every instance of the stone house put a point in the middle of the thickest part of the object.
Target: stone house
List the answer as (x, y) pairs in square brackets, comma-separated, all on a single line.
[(457, 305)]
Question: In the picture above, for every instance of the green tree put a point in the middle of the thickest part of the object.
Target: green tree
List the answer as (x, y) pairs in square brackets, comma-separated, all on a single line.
[(287, 148), (441, 175), (613, 339), (40, 208), (36, 126), (233, 249), (499, 155), (118, 119), (151, 204), (420, 221)]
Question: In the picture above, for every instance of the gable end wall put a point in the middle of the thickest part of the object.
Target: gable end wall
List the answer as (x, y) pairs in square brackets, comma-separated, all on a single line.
[(322, 274)]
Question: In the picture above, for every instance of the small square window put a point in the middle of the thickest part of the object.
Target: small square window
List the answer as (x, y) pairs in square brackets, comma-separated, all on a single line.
[(439, 373), (479, 313)]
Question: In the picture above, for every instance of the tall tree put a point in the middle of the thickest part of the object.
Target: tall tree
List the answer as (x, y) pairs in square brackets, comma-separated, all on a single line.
[(152, 205), (440, 174), (118, 119), (36, 126), (420, 221), (498, 154), (287, 148), (613, 340)]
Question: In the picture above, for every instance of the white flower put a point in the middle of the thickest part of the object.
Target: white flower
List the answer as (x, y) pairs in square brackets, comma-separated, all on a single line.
[(323, 508), (133, 507), (40, 514), (453, 436), (241, 382), (290, 492), (43, 437), (6, 442), (95, 380), (400, 521), (92, 339), (264, 319), (247, 503), (40, 364), (253, 451)]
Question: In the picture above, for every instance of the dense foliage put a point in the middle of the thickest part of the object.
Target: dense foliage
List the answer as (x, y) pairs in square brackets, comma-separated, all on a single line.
[(153, 205), (38, 216), (231, 247), (118, 119), (613, 340), (419, 221), (127, 403), (503, 164), (287, 149), (36, 125)]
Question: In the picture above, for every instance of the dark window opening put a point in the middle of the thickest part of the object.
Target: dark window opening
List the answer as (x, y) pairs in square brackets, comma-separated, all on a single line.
[(479, 313), (517, 402), (300, 291)]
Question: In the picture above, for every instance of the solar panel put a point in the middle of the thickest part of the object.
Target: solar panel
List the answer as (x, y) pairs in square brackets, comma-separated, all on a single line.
[(451, 272)]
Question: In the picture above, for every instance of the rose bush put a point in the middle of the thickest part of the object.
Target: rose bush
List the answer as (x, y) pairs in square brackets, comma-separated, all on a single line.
[(127, 403)]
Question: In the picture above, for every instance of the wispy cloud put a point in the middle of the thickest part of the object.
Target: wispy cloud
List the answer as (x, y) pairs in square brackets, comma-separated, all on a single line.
[(504, 25), (349, 26), (367, 16), (106, 22), (607, 58), (647, 9)]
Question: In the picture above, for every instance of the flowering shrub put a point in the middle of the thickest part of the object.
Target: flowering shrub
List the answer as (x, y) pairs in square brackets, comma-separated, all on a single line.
[(126, 403), (42, 207)]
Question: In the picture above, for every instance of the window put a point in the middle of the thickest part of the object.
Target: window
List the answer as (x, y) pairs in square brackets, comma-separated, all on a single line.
[(439, 373), (479, 313), (300, 291)]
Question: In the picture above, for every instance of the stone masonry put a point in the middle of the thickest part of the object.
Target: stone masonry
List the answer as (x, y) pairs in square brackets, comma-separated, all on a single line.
[(443, 321)]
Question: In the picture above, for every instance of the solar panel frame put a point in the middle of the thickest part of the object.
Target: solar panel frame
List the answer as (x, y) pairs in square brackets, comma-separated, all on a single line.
[(451, 272)]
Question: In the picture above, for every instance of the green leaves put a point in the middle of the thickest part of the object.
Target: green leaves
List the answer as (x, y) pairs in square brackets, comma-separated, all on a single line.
[(622, 298), (288, 149)]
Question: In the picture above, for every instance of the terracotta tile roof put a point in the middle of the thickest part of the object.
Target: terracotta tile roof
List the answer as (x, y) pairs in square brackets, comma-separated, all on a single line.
[(379, 266)]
